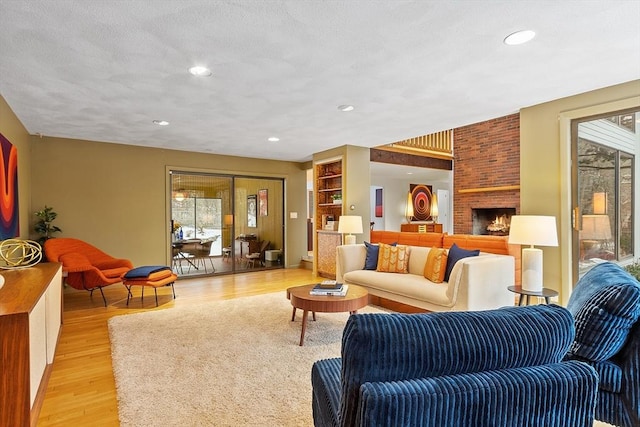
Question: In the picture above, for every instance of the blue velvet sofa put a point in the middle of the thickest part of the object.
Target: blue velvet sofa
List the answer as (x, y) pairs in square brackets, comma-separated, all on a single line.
[(606, 306), (485, 368)]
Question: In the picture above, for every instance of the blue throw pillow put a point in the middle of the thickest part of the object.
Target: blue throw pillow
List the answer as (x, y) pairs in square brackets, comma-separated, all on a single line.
[(456, 254), (371, 260), (605, 304)]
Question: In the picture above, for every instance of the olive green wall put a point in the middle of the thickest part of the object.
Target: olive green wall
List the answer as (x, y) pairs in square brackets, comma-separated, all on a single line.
[(116, 196), (15, 132), (545, 164)]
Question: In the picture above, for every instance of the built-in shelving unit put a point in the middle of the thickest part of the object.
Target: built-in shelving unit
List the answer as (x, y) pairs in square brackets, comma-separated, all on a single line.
[(328, 186)]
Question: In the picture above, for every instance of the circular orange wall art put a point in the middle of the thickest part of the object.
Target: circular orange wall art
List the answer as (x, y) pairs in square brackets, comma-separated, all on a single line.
[(421, 197)]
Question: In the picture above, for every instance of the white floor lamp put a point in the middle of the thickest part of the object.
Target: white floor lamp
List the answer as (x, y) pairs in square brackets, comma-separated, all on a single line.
[(350, 224), (533, 230)]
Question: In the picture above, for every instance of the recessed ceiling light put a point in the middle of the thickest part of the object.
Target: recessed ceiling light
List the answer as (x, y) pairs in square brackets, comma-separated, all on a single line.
[(519, 37), (409, 173), (200, 71), (273, 139), (161, 122), (345, 107)]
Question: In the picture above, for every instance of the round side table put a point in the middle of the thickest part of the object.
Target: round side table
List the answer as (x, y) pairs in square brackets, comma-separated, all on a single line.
[(546, 293)]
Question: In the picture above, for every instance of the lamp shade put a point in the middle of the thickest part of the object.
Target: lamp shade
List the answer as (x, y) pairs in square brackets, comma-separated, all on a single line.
[(228, 219), (408, 210), (351, 224), (434, 206), (533, 230), (595, 227)]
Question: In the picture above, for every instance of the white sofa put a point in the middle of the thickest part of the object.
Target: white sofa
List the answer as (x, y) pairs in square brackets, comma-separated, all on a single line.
[(476, 283)]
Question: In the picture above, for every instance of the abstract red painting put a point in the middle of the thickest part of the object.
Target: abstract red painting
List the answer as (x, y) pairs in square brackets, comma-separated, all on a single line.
[(9, 218)]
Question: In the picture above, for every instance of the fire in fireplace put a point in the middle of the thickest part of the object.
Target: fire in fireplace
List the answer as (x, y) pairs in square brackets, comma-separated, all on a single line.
[(495, 221)]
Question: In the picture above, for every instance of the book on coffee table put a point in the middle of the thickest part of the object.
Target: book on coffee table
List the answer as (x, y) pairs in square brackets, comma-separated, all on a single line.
[(339, 290), (329, 284)]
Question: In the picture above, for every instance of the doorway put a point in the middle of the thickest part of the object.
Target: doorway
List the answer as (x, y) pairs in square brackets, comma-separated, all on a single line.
[(225, 224)]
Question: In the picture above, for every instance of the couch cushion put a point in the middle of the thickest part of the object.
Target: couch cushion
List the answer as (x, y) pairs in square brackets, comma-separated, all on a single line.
[(454, 255), (605, 305), (158, 271), (393, 259), (417, 259), (610, 376), (391, 347), (436, 265), (371, 260), (409, 285)]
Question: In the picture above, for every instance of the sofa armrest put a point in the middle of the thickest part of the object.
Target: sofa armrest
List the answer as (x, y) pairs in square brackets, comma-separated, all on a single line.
[(349, 258), (482, 283), (325, 382), (560, 394)]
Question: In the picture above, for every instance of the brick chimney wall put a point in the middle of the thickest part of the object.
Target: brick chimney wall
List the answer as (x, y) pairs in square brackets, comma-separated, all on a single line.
[(486, 155)]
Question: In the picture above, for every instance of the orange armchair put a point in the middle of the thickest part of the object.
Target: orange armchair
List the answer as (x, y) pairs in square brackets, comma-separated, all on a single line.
[(86, 266)]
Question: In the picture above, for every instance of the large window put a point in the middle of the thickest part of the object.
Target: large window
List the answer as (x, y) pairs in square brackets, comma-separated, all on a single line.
[(605, 186)]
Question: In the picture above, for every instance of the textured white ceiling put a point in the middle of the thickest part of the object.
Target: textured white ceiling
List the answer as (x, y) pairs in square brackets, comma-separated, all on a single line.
[(104, 69)]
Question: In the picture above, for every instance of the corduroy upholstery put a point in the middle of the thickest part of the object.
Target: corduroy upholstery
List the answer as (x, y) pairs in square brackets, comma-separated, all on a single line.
[(86, 266), (606, 307), (487, 368)]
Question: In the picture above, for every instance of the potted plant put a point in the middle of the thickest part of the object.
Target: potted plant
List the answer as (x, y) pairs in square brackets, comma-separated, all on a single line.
[(634, 269), (43, 226), (337, 198)]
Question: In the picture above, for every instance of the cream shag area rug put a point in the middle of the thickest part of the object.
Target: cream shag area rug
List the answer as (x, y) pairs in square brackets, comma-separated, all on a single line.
[(227, 363)]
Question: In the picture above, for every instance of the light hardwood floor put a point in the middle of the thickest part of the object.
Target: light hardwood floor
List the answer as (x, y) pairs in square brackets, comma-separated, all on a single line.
[(81, 389)]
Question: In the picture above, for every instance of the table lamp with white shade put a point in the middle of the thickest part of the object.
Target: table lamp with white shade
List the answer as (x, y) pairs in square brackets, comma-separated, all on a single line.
[(533, 230), (351, 224)]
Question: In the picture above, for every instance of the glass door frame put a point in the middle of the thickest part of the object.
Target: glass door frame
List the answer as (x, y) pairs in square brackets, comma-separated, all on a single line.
[(577, 212), (272, 203)]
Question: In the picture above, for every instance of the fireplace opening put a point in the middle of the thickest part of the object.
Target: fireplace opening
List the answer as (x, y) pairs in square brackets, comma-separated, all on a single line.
[(492, 221)]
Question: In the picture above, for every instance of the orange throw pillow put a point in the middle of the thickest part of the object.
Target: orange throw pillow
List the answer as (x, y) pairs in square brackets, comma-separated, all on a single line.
[(393, 259), (436, 265)]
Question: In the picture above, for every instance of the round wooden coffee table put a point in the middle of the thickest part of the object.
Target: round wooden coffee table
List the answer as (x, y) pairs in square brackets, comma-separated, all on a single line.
[(356, 298)]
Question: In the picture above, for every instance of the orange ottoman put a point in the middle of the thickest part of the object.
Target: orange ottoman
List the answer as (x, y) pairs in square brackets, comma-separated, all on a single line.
[(150, 275)]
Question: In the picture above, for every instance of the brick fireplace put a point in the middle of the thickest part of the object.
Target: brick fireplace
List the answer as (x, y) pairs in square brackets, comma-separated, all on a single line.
[(486, 172), (492, 221)]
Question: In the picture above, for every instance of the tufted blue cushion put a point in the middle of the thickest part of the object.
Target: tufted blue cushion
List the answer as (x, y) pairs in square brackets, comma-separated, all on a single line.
[(371, 260), (456, 254), (605, 305)]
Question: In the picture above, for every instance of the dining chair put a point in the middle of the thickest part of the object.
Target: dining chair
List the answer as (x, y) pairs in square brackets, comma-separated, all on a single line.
[(257, 256)]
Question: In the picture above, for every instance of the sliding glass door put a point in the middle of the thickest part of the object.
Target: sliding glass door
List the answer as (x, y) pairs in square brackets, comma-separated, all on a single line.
[(224, 224), (604, 182)]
